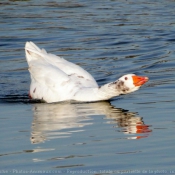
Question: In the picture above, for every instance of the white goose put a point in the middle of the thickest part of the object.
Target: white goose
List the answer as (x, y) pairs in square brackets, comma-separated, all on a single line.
[(53, 79)]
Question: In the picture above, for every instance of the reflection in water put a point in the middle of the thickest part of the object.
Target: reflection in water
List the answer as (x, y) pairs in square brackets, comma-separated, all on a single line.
[(62, 119)]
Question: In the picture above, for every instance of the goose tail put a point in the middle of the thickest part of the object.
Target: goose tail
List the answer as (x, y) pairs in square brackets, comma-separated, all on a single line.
[(33, 52)]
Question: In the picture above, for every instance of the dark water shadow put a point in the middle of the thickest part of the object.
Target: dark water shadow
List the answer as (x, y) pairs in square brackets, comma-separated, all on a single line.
[(17, 98)]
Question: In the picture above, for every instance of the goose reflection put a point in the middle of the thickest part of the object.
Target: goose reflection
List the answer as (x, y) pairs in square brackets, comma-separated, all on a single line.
[(62, 119)]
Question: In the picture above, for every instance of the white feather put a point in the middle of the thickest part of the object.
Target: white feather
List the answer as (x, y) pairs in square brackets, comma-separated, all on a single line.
[(55, 79)]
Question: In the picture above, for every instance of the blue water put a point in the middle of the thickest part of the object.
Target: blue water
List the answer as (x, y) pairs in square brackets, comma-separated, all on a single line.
[(132, 133)]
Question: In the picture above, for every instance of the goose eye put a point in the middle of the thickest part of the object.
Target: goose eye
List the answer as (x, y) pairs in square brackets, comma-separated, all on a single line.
[(126, 78)]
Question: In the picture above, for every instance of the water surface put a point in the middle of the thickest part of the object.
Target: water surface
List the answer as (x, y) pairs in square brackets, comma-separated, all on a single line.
[(128, 134)]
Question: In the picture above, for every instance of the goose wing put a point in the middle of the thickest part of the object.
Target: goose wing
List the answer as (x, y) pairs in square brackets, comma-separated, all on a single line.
[(75, 72)]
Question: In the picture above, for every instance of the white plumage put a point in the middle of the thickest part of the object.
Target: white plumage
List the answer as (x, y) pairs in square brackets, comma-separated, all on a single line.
[(54, 79)]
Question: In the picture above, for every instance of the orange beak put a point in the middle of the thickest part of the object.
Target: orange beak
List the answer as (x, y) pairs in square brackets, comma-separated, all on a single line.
[(139, 81)]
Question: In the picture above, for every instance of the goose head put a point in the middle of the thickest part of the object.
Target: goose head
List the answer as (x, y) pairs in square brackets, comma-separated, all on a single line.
[(130, 83)]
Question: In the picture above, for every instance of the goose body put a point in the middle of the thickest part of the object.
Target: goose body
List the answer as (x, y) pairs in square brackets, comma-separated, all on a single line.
[(54, 79)]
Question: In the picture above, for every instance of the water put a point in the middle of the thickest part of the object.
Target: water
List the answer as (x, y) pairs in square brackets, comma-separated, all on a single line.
[(129, 134)]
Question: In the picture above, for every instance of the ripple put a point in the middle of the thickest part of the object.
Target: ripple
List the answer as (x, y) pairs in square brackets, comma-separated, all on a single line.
[(108, 39), (18, 98)]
